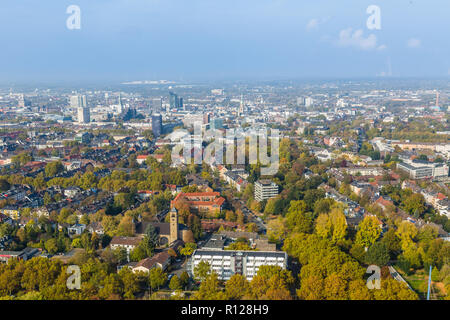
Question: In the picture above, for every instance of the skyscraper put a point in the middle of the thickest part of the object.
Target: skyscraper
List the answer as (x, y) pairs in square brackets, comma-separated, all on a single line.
[(175, 101), (157, 125), (180, 103), (78, 101), (84, 115)]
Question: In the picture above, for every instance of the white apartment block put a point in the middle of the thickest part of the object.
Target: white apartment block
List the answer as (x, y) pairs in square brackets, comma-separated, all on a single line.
[(265, 189), (229, 262)]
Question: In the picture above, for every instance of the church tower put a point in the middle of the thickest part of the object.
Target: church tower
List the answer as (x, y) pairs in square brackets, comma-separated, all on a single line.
[(173, 225)]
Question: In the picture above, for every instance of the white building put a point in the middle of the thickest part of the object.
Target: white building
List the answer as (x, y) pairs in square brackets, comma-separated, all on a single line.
[(422, 169), (265, 189), (229, 262), (84, 115)]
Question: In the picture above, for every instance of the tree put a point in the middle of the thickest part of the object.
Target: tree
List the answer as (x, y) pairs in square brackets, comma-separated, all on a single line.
[(406, 231), (270, 206), (175, 283), (53, 168), (357, 290), (368, 231), (296, 218), (236, 287), (138, 253), (130, 282), (404, 265), (188, 249), (323, 226), (157, 278), (392, 242), (210, 289), (126, 227), (202, 270), (270, 278), (276, 229), (151, 237), (335, 287), (394, 290), (184, 279), (358, 253), (51, 246), (415, 204), (377, 254), (332, 225)]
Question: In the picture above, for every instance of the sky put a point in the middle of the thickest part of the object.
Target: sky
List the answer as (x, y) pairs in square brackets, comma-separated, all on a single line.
[(182, 40)]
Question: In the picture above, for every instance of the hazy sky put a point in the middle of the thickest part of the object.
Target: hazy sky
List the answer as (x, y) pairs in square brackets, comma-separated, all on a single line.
[(122, 40)]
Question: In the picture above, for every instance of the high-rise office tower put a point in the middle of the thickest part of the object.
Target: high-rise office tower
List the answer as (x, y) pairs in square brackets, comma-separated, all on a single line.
[(84, 115), (173, 100), (157, 125), (78, 101)]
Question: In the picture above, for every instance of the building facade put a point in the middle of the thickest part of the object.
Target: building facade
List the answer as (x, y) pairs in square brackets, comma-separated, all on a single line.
[(265, 189), (229, 262), (157, 125), (423, 170)]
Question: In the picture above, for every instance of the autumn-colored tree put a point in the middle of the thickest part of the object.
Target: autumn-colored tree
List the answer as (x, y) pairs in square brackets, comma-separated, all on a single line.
[(368, 231), (394, 290), (236, 287), (202, 270), (296, 218), (210, 289)]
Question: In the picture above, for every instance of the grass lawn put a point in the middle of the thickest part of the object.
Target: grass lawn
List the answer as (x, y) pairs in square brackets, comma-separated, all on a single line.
[(419, 282)]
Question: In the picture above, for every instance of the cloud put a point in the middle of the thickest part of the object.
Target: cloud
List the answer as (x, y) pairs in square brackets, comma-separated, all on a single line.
[(312, 24), (356, 39), (414, 43), (315, 23)]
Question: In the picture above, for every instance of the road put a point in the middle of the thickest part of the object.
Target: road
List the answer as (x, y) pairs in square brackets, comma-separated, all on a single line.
[(252, 217)]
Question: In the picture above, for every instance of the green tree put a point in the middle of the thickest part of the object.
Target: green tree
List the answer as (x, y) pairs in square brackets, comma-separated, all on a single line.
[(53, 168), (296, 218), (377, 254), (188, 249), (175, 283), (157, 278), (202, 270)]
